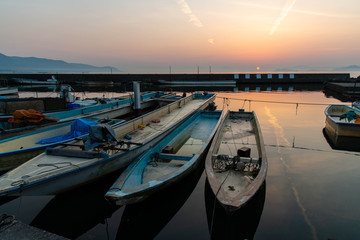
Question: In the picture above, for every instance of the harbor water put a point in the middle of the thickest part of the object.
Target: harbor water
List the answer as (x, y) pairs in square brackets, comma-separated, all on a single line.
[(311, 190)]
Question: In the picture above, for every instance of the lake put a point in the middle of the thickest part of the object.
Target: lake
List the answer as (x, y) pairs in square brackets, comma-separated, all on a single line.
[(310, 192)]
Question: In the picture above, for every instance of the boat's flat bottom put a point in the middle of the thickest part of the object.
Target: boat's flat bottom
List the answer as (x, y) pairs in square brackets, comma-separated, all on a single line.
[(187, 143), (234, 182), (237, 134)]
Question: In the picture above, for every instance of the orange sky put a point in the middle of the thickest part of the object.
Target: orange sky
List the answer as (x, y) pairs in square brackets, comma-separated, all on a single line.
[(150, 36)]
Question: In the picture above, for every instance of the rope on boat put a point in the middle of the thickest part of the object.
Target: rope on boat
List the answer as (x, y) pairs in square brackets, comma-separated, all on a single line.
[(213, 214), (6, 221), (265, 101)]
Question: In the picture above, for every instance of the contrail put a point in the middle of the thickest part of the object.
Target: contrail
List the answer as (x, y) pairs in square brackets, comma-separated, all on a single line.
[(285, 10), (192, 17), (323, 14)]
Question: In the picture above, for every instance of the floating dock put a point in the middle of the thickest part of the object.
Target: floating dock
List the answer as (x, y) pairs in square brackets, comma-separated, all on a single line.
[(348, 90)]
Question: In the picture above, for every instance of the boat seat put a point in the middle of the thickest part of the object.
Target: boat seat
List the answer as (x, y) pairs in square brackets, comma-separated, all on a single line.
[(242, 159), (73, 153), (174, 157), (72, 145)]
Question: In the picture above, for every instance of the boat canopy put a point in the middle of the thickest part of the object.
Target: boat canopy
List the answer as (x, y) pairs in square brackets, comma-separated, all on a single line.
[(98, 135), (79, 127)]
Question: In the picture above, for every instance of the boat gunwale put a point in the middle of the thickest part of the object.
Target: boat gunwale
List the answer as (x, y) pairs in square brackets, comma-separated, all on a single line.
[(328, 116)]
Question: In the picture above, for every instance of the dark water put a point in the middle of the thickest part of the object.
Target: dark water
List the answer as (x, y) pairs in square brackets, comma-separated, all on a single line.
[(311, 191)]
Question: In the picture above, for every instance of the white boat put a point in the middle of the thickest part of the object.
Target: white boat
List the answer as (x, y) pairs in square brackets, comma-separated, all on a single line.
[(356, 104), (342, 121), (81, 108), (236, 164), (23, 146), (68, 166), (9, 92), (24, 81)]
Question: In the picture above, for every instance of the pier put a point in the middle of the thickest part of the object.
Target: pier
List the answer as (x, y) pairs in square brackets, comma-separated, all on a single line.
[(239, 78)]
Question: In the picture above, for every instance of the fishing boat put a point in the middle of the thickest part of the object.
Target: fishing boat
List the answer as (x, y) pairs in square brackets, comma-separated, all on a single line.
[(24, 81), (21, 147), (9, 92), (356, 104), (103, 152), (342, 121), (165, 163), (165, 205), (17, 150), (79, 109), (236, 164)]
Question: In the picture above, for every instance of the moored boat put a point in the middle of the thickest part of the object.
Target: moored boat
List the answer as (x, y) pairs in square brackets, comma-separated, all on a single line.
[(107, 150), (18, 149), (24, 81), (165, 163), (342, 121), (73, 111), (236, 164), (9, 92), (356, 104)]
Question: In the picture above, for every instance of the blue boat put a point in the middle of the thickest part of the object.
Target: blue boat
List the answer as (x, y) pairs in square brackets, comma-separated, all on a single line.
[(103, 152), (168, 161)]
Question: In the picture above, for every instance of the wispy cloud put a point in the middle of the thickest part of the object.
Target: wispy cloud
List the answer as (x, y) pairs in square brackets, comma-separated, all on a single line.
[(263, 6), (192, 17), (284, 12)]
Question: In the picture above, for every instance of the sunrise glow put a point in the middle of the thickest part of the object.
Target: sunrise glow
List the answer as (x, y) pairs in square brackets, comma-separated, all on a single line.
[(148, 36)]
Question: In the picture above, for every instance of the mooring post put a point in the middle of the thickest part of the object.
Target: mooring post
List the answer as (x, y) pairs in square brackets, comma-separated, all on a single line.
[(137, 104)]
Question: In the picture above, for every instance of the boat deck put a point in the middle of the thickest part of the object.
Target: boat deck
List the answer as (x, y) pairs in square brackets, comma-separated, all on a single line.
[(236, 134)]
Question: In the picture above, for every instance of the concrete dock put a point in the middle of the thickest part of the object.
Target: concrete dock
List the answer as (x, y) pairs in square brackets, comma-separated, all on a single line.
[(12, 229), (349, 90)]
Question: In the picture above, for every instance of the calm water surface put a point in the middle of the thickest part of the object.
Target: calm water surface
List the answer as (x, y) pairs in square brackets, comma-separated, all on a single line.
[(311, 191)]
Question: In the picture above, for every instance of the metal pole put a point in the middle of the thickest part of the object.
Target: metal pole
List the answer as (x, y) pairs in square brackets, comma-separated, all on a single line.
[(136, 86)]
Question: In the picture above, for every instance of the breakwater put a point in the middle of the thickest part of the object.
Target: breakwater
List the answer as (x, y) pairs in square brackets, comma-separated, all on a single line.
[(239, 78)]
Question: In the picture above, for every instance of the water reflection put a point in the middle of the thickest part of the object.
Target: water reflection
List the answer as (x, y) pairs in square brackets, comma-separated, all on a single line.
[(75, 212), (240, 225), (145, 220), (342, 143)]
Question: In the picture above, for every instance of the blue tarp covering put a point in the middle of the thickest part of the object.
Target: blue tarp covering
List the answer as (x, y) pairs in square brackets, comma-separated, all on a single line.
[(79, 127)]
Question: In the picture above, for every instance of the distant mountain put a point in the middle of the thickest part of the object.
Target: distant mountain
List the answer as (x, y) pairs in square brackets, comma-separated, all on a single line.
[(318, 69), (349, 68), (33, 64)]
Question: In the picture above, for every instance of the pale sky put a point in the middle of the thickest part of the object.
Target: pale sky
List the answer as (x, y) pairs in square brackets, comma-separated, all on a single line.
[(151, 36)]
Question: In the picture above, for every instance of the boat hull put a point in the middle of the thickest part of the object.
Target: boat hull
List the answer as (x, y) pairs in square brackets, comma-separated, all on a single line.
[(189, 141), (334, 126), (234, 186)]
